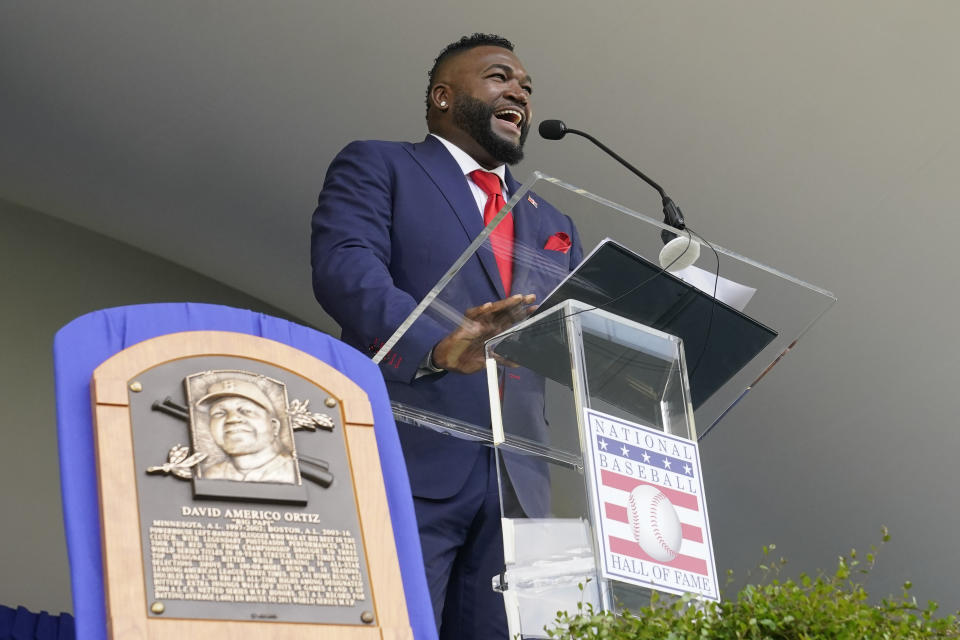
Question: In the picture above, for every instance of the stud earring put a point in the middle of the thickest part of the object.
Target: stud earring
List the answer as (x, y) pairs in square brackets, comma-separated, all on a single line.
[(443, 104)]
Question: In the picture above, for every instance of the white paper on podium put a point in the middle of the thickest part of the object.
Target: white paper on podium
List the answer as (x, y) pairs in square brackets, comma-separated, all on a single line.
[(729, 292)]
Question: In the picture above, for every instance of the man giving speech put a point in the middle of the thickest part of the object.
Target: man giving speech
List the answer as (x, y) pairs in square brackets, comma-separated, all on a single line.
[(391, 219)]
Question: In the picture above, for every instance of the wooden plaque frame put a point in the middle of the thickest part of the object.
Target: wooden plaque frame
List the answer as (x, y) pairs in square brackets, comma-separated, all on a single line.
[(120, 523)]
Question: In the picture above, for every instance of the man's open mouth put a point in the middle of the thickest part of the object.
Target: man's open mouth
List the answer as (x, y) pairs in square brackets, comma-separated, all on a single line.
[(511, 115)]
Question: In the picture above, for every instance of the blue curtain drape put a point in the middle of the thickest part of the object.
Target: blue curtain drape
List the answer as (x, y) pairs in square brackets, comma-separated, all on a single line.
[(21, 624)]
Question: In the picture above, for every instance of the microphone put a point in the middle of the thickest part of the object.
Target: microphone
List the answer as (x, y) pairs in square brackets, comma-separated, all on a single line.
[(678, 252), (552, 129)]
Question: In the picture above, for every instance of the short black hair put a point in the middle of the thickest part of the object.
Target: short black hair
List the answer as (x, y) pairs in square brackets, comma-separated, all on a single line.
[(464, 44)]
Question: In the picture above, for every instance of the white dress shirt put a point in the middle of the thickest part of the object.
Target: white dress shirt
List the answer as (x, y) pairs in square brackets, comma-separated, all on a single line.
[(468, 165)]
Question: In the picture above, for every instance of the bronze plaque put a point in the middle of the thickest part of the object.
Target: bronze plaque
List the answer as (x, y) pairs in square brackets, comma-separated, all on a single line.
[(241, 490), (251, 520)]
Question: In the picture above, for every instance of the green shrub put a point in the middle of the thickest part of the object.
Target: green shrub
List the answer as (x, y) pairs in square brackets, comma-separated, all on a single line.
[(829, 606)]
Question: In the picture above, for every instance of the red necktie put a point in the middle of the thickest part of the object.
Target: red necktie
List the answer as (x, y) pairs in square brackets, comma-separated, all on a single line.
[(502, 237)]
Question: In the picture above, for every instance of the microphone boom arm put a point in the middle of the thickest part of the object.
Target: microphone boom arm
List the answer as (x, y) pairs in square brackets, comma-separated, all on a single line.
[(671, 212), (616, 157)]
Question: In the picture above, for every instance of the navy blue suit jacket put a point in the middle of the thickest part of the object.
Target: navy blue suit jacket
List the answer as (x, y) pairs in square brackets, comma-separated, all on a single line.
[(391, 219)]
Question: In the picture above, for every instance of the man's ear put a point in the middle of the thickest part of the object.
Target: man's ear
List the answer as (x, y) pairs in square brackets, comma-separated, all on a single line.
[(441, 97), (276, 427)]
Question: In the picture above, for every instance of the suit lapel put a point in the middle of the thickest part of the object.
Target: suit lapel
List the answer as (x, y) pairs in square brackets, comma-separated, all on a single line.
[(445, 173), (526, 225)]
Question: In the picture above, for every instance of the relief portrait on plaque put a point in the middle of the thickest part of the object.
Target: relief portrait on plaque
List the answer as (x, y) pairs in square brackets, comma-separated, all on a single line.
[(242, 432), (237, 425)]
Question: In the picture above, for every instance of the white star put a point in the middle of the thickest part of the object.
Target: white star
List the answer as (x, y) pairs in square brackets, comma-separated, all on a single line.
[(626, 452), (646, 457), (687, 469), (666, 463), (603, 444)]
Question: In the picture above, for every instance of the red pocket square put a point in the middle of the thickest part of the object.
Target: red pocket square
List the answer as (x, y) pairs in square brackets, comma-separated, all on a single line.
[(558, 242)]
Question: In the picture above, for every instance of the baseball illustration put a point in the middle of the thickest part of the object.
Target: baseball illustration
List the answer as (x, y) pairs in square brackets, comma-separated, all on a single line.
[(655, 524)]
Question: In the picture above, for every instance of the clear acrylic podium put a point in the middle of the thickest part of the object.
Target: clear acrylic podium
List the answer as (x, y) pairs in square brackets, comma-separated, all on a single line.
[(584, 356), (588, 359)]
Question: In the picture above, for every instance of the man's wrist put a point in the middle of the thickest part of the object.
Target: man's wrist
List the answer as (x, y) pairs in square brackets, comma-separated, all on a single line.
[(431, 364), (428, 367)]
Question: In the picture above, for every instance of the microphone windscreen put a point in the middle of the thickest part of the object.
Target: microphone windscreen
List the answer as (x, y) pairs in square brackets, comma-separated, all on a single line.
[(679, 253), (552, 129)]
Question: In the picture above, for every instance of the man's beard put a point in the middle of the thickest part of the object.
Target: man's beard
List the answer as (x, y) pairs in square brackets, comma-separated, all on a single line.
[(476, 118)]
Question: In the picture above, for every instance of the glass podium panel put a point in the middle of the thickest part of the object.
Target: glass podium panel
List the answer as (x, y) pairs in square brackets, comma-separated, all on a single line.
[(775, 303), (549, 567), (583, 357), (586, 358)]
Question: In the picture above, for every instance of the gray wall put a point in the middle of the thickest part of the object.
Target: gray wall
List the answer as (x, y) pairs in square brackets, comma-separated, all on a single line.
[(53, 272)]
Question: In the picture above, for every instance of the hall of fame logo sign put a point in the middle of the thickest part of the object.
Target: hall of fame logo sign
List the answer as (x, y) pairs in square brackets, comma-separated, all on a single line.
[(649, 509)]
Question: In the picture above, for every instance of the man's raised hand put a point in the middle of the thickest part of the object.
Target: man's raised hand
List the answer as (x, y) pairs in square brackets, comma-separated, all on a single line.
[(462, 349)]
